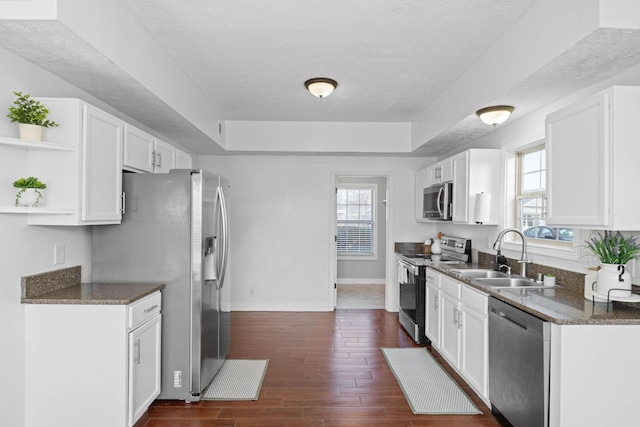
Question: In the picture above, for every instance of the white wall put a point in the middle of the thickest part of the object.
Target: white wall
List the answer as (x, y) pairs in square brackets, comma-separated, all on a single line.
[(281, 223), (26, 250)]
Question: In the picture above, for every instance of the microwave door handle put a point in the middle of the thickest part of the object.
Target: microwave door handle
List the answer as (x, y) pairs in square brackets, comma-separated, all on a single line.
[(438, 202)]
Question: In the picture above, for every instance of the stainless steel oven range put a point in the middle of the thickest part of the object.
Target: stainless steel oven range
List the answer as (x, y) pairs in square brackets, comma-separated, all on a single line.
[(411, 280)]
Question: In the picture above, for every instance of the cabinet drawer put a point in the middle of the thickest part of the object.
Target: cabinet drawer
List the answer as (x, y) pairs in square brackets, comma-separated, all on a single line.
[(476, 300), (142, 310), (450, 287)]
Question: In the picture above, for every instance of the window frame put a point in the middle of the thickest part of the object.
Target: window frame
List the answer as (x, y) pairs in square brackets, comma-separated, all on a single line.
[(342, 256), (568, 251)]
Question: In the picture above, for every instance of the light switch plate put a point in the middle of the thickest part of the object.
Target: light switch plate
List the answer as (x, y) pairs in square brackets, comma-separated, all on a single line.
[(58, 254)]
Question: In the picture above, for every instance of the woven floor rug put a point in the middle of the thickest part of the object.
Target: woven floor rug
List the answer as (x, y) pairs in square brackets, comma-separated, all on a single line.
[(427, 387), (237, 380)]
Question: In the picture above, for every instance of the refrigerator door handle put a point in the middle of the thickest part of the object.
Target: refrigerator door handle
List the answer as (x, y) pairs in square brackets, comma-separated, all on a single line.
[(225, 237)]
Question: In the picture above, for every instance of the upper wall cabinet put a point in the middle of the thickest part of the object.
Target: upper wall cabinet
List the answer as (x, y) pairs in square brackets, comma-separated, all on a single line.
[(183, 160), (476, 171), (138, 150), (592, 153), (440, 172), (80, 162), (144, 153)]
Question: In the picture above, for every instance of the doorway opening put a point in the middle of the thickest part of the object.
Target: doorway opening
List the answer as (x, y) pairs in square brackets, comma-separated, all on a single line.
[(361, 220)]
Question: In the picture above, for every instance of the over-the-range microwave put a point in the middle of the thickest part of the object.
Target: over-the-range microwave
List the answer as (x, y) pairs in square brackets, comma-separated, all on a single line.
[(437, 202)]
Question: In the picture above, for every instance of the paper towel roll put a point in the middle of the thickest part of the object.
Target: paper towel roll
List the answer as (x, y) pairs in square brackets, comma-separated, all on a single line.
[(483, 208)]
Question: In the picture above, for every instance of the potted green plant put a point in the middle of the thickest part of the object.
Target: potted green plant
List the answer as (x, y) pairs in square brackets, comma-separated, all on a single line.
[(614, 251), (31, 116), (30, 191)]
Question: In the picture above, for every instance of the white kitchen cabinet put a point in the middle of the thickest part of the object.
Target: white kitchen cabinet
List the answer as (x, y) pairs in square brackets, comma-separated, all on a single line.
[(96, 365), (450, 321), (432, 308), (593, 380), (183, 160), (138, 150), (101, 167), (144, 367), (474, 340), (461, 332), (476, 171), (440, 172), (165, 157), (591, 154), (144, 153), (80, 162)]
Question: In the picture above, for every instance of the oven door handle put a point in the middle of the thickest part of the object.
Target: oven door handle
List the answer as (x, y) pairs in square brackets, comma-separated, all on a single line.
[(412, 268)]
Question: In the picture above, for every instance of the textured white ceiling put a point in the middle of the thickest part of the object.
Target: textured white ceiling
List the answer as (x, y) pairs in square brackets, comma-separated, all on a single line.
[(249, 59), (391, 58)]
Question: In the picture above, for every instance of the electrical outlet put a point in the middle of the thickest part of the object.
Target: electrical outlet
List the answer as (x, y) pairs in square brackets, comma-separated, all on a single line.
[(177, 378), (250, 292), (58, 254)]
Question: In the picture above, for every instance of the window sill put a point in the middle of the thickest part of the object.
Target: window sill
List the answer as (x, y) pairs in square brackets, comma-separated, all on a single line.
[(556, 251), (357, 257)]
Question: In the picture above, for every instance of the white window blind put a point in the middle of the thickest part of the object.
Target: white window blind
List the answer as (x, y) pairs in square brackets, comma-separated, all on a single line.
[(355, 219)]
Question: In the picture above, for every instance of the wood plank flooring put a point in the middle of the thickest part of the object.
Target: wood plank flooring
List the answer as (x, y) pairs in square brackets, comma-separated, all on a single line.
[(325, 370)]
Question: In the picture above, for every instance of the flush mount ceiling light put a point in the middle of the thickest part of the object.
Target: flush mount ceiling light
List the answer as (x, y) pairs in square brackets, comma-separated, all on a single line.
[(495, 115), (321, 86)]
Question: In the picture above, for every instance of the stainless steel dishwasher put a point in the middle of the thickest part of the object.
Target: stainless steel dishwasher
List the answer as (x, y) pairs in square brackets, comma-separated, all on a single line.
[(519, 348)]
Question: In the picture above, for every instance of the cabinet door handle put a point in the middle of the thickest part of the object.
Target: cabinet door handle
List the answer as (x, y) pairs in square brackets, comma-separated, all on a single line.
[(159, 159), (124, 203), (153, 307), (136, 357), (153, 159), (455, 316)]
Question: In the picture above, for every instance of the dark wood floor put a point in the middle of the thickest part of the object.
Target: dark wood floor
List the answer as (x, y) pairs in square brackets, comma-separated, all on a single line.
[(325, 370)]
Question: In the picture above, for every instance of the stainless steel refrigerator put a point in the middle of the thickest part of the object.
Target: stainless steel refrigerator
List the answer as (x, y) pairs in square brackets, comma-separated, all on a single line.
[(175, 230)]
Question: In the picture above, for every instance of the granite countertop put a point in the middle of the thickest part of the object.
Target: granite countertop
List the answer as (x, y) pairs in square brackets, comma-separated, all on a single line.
[(96, 293), (562, 305), (64, 287)]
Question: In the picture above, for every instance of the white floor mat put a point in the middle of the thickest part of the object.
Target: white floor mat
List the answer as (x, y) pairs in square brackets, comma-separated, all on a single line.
[(427, 387), (237, 380)]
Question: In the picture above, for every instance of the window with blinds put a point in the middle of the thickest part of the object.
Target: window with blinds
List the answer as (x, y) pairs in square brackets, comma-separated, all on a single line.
[(356, 219)]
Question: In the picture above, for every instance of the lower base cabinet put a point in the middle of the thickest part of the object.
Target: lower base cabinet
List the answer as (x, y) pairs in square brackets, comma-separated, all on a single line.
[(91, 365), (462, 334)]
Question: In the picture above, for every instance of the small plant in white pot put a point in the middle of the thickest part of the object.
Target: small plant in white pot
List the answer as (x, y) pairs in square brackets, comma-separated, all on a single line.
[(614, 250), (30, 191), (31, 116)]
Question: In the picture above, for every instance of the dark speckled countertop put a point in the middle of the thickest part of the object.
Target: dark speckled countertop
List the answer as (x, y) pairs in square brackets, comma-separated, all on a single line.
[(562, 305), (64, 287)]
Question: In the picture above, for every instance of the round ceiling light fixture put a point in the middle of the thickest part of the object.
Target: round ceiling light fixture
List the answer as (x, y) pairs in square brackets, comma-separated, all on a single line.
[(495, 115), (321, 86)]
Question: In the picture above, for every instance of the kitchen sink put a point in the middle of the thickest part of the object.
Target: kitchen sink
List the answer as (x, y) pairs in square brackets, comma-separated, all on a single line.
[(481, 274), (498, 280), (510, 282)]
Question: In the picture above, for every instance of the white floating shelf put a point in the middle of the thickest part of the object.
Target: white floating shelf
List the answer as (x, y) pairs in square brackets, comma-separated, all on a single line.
[(34, 145), (19, 210)]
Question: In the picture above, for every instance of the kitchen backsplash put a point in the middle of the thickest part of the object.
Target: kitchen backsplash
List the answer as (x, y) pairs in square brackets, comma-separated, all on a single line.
[(50, 281)]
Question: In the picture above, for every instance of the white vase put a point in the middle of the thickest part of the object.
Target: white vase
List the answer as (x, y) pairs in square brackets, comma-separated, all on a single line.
[(29, 197), (613, 276), (30, 132)]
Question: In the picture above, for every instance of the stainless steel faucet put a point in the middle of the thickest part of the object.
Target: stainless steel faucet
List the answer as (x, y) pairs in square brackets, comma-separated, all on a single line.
[(523, 259)]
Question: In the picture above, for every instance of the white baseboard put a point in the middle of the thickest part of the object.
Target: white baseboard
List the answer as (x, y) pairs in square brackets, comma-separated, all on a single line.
[(361, 281)]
